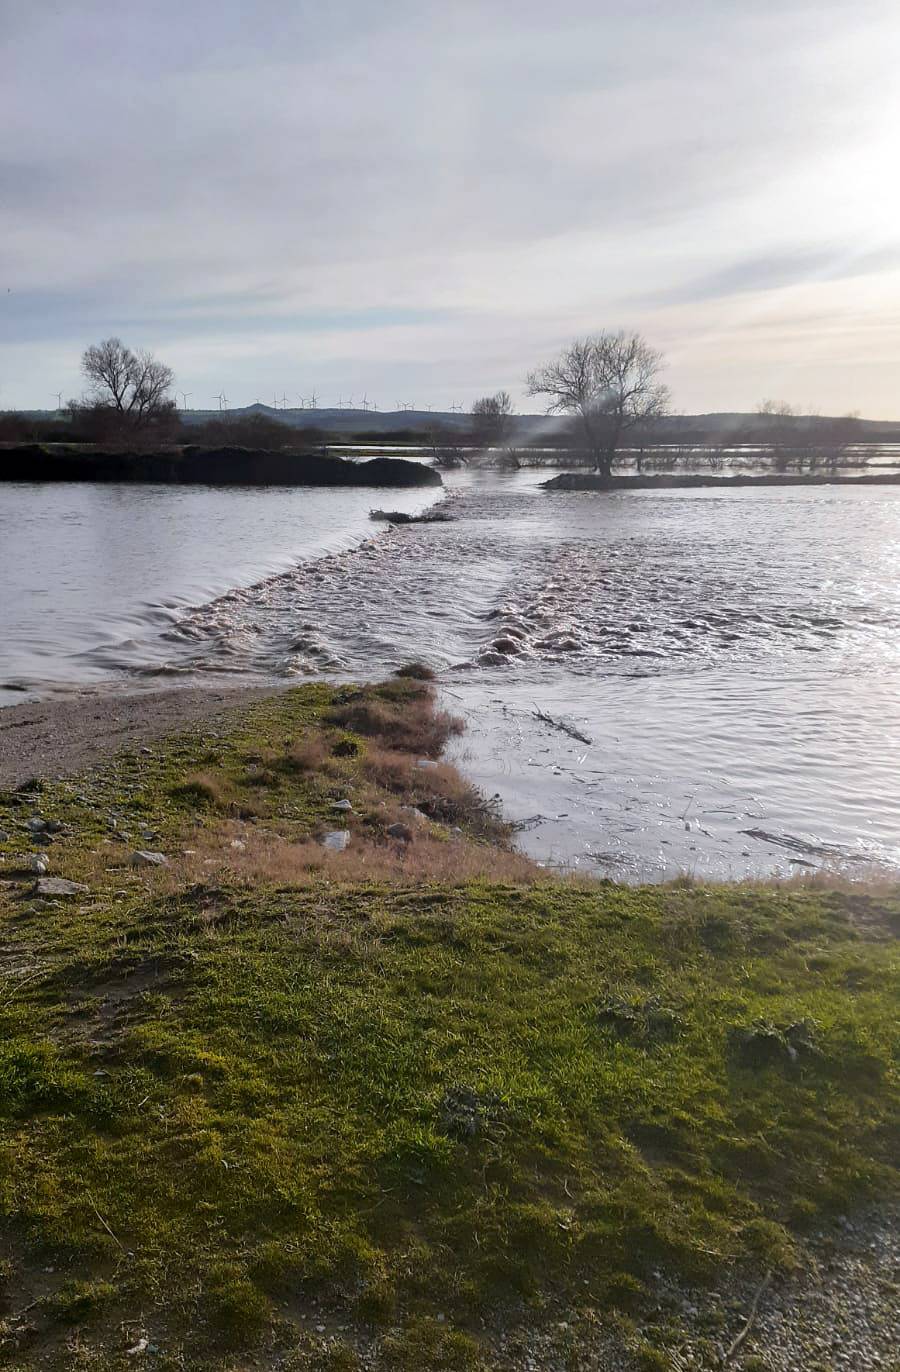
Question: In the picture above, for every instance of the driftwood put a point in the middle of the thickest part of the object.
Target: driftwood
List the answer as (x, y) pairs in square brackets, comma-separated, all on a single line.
[(749, 1322), (561, 725)]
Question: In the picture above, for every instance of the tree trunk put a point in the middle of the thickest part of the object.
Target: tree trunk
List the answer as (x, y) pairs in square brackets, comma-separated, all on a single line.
[(602, 462)]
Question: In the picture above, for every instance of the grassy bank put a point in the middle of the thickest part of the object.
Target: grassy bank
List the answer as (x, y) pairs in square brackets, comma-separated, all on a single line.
[(275, 1105)]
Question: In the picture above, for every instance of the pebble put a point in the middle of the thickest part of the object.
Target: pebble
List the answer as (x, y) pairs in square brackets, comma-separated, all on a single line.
[(39, 863), (337, 840), (36, 824), (342, 805)]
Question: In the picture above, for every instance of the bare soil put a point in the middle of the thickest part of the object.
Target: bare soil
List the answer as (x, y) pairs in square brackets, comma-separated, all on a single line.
[(55, 738)]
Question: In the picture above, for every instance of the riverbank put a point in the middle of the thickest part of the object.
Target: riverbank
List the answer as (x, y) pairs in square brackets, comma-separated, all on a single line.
[(664, 481), (307, 1069), (229, 466)]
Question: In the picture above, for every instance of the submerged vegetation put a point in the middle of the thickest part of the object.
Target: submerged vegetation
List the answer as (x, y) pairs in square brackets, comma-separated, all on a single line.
[(366, 1104)]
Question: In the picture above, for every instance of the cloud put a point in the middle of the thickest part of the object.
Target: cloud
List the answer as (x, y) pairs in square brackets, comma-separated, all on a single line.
[(249, 187)]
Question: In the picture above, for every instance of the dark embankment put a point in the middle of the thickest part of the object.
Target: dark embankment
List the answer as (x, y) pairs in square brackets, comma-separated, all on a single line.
[(303, 1068), (591, 481), (210, 467)]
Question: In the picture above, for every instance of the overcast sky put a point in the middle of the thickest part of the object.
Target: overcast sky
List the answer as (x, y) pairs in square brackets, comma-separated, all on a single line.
[(421, 201)]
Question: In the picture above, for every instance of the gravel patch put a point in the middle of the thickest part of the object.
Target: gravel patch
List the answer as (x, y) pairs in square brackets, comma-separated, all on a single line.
[(59, 737)]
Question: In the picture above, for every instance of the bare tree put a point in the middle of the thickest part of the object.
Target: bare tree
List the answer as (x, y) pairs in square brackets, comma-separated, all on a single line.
[(609, 383), (134, 386), (776, 409), (490, 419), (781, 431)]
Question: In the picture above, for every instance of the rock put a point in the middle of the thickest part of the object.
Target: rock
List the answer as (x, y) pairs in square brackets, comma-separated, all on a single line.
[(4, 836), (142, 857), (53, 826), (36, 824), (401, 831), (337, 840), (38, 862), (342, 805), (58, 886), (238, 843), (425, 763)]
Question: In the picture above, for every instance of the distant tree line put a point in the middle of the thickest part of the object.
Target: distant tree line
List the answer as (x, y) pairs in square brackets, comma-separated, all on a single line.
[(605, 388)]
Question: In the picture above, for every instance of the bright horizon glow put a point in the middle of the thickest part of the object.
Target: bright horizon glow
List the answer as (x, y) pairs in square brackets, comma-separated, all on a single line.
[(422, 204)]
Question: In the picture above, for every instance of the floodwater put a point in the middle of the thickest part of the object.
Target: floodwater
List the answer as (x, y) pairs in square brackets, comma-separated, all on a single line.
[(94, 576), (730, 659)]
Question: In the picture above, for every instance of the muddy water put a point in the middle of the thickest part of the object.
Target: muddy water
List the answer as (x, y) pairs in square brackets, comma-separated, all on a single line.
[(731, 661)]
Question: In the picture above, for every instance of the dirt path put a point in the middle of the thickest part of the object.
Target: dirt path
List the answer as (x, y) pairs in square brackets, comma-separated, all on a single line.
[(55, 738)]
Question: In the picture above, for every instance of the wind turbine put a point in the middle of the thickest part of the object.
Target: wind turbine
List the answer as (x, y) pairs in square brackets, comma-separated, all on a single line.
[(365, 401), (184, 398), (284, 401), (313, 401), (456, 409), (220, 398), (224, 399), (58, 395)]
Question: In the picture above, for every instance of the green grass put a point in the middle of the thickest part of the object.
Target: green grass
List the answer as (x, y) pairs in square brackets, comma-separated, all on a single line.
[(223, 1108)]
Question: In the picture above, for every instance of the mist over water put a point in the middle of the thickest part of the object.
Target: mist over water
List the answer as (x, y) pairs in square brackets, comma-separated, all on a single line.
[(732, 656)]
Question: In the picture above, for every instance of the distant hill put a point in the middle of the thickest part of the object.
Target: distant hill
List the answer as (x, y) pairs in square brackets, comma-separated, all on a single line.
[(721, 428), (343, 421)]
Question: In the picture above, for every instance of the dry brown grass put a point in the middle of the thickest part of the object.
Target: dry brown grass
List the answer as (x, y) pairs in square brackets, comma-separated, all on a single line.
[(310, 754), (203, 788), (441, 792), (411, 725), (416, 671), (275, 859)]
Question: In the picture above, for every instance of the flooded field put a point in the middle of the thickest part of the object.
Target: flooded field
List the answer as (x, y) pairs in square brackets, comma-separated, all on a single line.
[(718, 671)]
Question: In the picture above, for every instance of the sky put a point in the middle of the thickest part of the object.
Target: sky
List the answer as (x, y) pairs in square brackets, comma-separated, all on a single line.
[(420, 202)]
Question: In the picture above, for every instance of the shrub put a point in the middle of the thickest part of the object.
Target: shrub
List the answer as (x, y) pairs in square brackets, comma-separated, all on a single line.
[(416, 671), (200, 789)]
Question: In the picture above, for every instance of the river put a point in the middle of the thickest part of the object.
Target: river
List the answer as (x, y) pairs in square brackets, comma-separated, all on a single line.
[(731, 657)]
